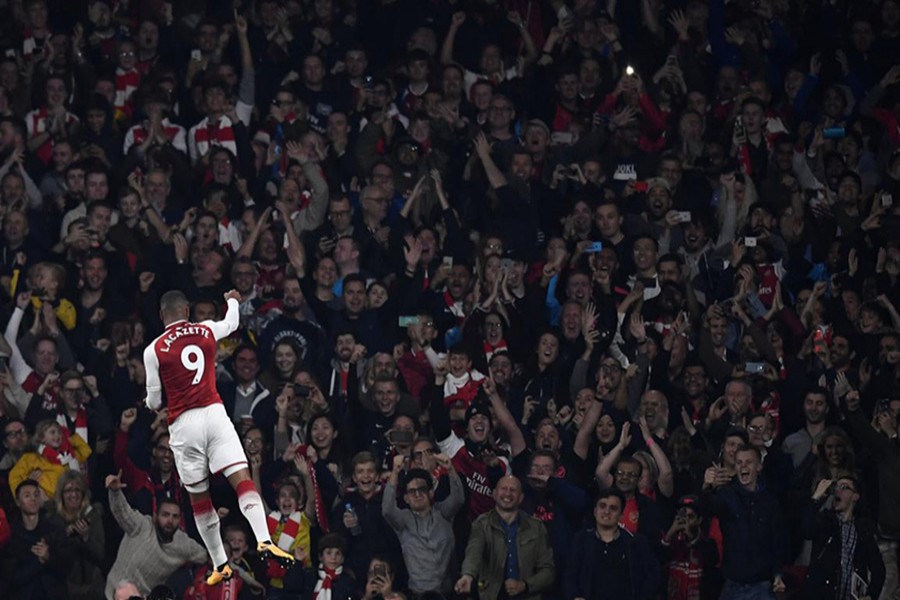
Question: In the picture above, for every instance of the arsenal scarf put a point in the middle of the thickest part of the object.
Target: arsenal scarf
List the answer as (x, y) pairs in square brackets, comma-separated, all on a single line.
[(322, 590), (464, 387), (455, 308), (490, 349), (81, 424), (62, 456)]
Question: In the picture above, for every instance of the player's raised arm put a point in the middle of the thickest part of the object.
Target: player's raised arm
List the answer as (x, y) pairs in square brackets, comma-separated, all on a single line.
[(226, 326), (154, 385)]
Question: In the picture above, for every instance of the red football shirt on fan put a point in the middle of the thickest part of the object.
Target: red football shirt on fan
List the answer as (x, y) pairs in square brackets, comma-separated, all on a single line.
[(182, 361)]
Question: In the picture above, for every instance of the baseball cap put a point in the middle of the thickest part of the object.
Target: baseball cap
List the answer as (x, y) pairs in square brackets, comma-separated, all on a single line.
[(659, 182)]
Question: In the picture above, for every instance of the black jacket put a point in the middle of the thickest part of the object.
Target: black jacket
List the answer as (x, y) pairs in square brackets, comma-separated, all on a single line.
[(823, 579), (753, 534)]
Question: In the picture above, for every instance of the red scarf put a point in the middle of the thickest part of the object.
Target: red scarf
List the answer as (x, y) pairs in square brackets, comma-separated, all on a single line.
[(456, 308), (126, 84), (63, 456), (490, 350)]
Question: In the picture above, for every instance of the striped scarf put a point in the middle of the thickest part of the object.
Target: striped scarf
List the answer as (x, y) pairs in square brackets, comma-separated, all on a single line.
[(205, 135), (60, 456), (322, 590), (81, 424), (126, 84)]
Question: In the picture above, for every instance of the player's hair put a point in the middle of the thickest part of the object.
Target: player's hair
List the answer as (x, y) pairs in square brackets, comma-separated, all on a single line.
[(172, 301)]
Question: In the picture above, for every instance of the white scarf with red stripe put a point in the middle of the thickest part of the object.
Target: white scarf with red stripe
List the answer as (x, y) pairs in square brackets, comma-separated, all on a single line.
[(322, 590), (81, 424), (464, 387), (61, 456), (289, 530)]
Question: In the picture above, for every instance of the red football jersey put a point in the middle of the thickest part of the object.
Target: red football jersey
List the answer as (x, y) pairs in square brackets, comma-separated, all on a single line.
[(182, 361)]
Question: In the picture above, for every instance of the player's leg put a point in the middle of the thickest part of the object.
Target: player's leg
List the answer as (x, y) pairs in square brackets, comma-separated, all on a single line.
[(226, 456), (188, 440), (207, 520), (251, 506)]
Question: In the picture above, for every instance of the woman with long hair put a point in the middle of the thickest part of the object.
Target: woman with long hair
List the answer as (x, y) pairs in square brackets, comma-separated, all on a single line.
[(283, 366)]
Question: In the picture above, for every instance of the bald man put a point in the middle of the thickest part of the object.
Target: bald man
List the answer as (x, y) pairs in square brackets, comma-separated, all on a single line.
[(524, 568)]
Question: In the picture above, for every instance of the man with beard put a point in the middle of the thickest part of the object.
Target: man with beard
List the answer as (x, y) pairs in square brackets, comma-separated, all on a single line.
[(815, 410), (447, 305), (698, 250), (658, 218), (844, 544), (695, 383), (292, 323), (345, 369), (753, 534), (153, 547), (841, 355), (148, 489), (640, 513)]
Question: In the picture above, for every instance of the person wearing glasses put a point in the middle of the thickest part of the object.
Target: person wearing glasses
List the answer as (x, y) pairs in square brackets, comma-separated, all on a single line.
[(640, 513), (15, 442), (846, 562), (425, 528)]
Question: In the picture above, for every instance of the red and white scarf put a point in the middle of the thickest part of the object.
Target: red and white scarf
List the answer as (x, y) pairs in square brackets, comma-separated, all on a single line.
[(126, 84), (62, 456), (289, 530), (455, 308), (322, 590), (464, 387), (36, 121), (490, 349), (205, 135), (81, 424)]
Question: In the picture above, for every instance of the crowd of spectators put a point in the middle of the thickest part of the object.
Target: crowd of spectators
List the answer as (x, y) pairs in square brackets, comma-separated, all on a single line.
[(579, 300)]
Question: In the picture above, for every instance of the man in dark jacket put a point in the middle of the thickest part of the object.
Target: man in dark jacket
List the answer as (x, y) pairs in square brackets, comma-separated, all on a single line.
[(38, 556), (837, 535), (360, 520), (884, 445), (601, 557), (753, 538)]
